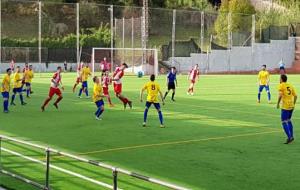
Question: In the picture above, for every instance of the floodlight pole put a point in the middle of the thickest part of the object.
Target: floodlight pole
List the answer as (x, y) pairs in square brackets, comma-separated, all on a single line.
[(77, 34), (123, 38), (173, 36), (111, 9), (40, 35), (229, 43), (202, 31), (132, 43)]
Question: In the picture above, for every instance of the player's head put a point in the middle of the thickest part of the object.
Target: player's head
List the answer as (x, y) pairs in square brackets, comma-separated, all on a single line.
[(196, 66), (283, 78), (96, 79), (106, 72), (17, 69), (173, 69), (86, 65), (26, 64), (104, 58), (8, 71), (152, 78), (30, 67), (264, 67), (124, 66), (59, 69)]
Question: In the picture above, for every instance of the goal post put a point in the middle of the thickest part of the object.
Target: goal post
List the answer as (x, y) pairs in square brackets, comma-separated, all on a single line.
[(137, 59)]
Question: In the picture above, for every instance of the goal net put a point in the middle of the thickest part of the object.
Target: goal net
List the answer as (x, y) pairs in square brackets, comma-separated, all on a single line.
[(137, 59)]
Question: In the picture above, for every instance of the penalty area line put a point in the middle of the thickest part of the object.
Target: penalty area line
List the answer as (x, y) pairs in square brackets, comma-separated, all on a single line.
[(178, 142)]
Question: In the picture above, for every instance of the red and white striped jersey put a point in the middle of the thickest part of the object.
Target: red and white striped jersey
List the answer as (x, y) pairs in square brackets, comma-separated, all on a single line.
[(105, 81), (194, 73), (56, 80), (117, 76)]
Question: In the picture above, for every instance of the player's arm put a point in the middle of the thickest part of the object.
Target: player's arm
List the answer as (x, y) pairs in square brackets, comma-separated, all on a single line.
[(268, 79), (142, 93), (198, 75), (61, 84), (279, 99), (161, 97), (167, 81)]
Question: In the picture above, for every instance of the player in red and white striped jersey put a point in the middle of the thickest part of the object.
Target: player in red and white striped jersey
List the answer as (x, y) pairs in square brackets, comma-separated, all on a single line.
[(106, 81), (54, 89), (78, 78), (193, 76), (117, 76)]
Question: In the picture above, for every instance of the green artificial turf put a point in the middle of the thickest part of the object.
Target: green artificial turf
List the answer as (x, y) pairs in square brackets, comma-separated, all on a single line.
[(220, 138)]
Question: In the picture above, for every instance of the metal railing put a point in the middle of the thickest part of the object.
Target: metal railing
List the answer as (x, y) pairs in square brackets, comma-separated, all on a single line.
[(46, 186)]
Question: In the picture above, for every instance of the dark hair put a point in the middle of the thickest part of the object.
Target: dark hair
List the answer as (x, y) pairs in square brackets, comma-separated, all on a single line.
[(283, 78), (95, 78), (152, 77), (59, 67), (7, 70), (126, 66), (264, 66), (18, 67), (173, 67)]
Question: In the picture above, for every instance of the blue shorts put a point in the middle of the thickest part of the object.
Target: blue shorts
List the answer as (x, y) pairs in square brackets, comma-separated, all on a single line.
[(84, 84), (261, 87), (28, 84), (17, 90), (156, 105), (99, 103), (5, 94), (286, 114)]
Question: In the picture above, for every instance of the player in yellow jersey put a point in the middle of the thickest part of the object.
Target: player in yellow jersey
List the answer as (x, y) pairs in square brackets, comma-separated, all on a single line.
[(85, 73), (288, 98), (263, 82), (98, 97), (5, 88), (28, 76), (153, 89), (17, 87)]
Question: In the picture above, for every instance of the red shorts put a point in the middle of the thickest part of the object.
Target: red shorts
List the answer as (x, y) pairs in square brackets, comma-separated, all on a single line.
[(78, 80), (53, 91), (105, 91), (118, 88)]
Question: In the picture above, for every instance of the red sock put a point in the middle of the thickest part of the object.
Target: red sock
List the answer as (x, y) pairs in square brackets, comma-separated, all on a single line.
[(124, 100), (58, 100), (46, 102)]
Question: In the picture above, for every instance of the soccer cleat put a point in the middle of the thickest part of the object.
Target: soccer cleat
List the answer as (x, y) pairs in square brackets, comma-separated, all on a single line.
[(28, 97), (12, 104), (125, 105), (23, 103), (130, 104), (5, 111), (98, 118), (288, 141), (258, 101), (173, 100), (187, 93), (292, 139), (111, 105), (31, 92), (144, 124), (56, 106), (43, 108), (79, 97), (162, 126), (192, 94), (88, 97)]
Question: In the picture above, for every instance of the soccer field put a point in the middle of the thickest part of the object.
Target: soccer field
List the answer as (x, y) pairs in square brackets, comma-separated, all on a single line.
[(220, 138)]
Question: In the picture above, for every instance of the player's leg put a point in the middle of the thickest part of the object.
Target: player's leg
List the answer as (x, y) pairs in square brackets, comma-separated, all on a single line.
[(160, 116), (290, 124), (75, 85), (48, 99), (20, 92), (147, 106), (5, 96), (28, 89), (269, 93), (100, 109), (173, 93), (12, 102), (59, 98), (86, 90), (192, 87), (106, 93), (260, 89), (166, 93), (118, 91), (284, 119), (81, 89)]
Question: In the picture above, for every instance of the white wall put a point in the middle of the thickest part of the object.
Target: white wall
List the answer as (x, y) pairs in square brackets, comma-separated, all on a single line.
[(240, 59)]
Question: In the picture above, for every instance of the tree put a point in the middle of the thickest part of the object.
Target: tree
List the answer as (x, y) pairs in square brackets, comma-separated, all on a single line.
[(241, 18)]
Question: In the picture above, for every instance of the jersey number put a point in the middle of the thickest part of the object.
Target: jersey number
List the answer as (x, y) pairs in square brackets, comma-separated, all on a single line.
[(152, 87), (289, 90)]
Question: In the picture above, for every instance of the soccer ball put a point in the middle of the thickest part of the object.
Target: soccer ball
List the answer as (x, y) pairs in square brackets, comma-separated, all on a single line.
[(140, 74)]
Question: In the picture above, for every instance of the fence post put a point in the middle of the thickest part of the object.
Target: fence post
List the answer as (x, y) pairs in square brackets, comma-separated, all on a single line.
[(40, 36), (173, 37), (47, 187), (111, 9), (115, 178), (0, 153)]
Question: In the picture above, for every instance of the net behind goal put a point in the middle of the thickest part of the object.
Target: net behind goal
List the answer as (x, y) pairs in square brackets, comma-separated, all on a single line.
[(137, 59)]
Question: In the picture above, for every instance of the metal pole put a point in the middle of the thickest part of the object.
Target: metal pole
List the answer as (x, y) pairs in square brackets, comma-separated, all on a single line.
[(115, 178), (253, 39), (202, 31), (47, 168), (77, 34), (0, 32), (132, 43), (112, 37), (173, 36), (40, 36), (123, 38), (0, 153), (229, 40)]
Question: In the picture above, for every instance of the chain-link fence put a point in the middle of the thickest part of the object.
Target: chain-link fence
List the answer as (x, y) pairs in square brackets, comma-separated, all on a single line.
[(47, 34)]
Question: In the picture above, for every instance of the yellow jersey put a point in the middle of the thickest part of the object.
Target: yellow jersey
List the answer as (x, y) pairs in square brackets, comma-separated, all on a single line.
[(85, 73), (288, 94), (5, 86), (28, 75), (17, 80), (263, 77), (97, 92), (153, 89)]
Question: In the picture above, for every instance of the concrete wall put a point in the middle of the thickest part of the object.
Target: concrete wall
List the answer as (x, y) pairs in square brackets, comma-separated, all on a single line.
[(39, 67), (241, 59)]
